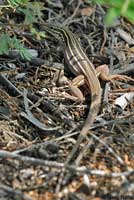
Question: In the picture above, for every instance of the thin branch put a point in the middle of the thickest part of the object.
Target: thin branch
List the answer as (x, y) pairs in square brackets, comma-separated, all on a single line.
[(81, 170)]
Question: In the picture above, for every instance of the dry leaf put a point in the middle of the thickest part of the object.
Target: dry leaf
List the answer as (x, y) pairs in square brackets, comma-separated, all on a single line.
[(86, 11)]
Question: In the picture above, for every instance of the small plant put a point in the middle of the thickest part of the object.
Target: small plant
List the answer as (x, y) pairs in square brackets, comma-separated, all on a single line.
[(30, 12), (16, 3), (8, 43), (117, 8)]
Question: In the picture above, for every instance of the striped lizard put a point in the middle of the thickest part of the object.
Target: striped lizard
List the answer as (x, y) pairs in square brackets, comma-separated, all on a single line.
[(79, 64)]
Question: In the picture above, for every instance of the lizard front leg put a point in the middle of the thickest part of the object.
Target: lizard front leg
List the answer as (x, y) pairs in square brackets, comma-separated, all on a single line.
[(73, 92)]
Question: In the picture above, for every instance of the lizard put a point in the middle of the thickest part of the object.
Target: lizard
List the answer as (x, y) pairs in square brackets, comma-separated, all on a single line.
[(79, 64)]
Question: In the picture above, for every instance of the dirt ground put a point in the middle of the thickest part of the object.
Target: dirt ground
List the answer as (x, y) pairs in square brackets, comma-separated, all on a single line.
[(40, 121)]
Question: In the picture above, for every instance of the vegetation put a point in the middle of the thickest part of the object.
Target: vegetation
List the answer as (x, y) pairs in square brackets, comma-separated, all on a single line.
[(118, 8), (30, 12)]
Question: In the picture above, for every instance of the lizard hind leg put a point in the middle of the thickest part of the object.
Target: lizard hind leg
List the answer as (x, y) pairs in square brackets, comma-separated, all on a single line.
[(103, 72)]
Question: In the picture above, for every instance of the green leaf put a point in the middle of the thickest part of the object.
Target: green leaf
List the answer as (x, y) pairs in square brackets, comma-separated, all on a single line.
[(111, 16), (25, 54), (4, 38), (8, 43), (15, 3), (118, 8), (32, 12)]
